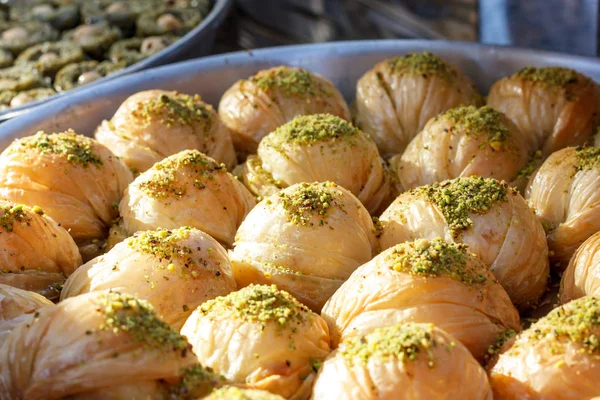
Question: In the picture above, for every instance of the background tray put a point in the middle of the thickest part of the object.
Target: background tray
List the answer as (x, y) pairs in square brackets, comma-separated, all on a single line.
[(198, 42), (341, 62)]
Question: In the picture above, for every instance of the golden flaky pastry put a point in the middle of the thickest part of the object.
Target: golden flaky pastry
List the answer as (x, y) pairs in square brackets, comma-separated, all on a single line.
[(402, 362), (424, 281), (316, 148), (396, 98), (185, 189), (235, 393), (74, 179), (582, 276), (256, 106), (100, 345), (154, 124), (565, 194), (488, 216), (306, 239), (174, 270), (260, 337), (557, 358), (17, 306), (35, 252), (553, 107), (464, 141)]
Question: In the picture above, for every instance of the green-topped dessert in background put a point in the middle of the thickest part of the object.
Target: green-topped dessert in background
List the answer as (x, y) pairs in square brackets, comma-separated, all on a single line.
[(176, 21), (17, 37), (50, 57), (79, 74), (136, 49), (95, 39)]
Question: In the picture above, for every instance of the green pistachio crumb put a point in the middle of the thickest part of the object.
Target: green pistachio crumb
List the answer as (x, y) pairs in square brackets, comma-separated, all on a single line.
[(255, 163), (460, 197), (196, 382), (402, 342), (291, 81), (311, 129), (551, 76), (502, 338), (163, 244), (259, 304), (126, 313), (485, 120), (587, 158), (309, 200), (75, 148), (11, 215), (577, 321), (531, 165), (164, 184), (175, 109), (424, 64), (437, 258)]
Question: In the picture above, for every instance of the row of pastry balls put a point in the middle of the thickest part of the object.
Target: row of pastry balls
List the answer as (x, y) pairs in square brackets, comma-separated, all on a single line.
[(416, 317)]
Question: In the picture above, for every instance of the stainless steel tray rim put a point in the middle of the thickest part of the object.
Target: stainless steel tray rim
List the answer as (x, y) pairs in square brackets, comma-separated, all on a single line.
[(483, 63), (214, 18)]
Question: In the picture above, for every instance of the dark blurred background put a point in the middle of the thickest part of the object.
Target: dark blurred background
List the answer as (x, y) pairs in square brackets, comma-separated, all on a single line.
[(561, 25)]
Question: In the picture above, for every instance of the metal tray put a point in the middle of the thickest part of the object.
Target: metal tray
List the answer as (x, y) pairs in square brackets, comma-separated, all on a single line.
[(198, 42), (341, 62)]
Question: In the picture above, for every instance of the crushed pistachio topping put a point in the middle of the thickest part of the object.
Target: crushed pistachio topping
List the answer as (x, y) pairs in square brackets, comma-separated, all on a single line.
[(531, 165), (255, 164), (577, 321), (501, 339), (460, 197), (437, 258), (196, 381), (551, 76), (163, 183), (76, 148), (11, 215), (309, 200), (587, 158), (310, 129), (163, 244), (259, 304), (291, 81), (175, 109), (234, 393), (424, 64), (126, 313), (403, 342), (475, 122)]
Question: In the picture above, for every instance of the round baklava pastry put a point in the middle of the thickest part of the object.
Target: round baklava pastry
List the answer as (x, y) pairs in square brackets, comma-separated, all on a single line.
[(74, 179), (101, 345), (488, 216), (174, 270), (50, 57), (16, 37), (185, 189), (78, 74), (319, 147), (176, 21), (405, 361), (21, 77), (95, 38), (306, 239), (154, 124), (426, 282), (260, 337), (133, 50), (36, 253), (255, 107), (553, 107), (558, 357), (564, 192), (17, 306), (464, 141), (61, 14), (582, 276), (235, 393), (396, 98)]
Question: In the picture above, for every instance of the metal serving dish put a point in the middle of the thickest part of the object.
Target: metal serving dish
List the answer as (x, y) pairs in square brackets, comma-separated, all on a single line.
[(342, 62), (198, 42)]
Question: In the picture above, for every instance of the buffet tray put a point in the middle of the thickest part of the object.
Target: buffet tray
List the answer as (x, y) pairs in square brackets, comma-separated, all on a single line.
[(198, 42), (342, 62)]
